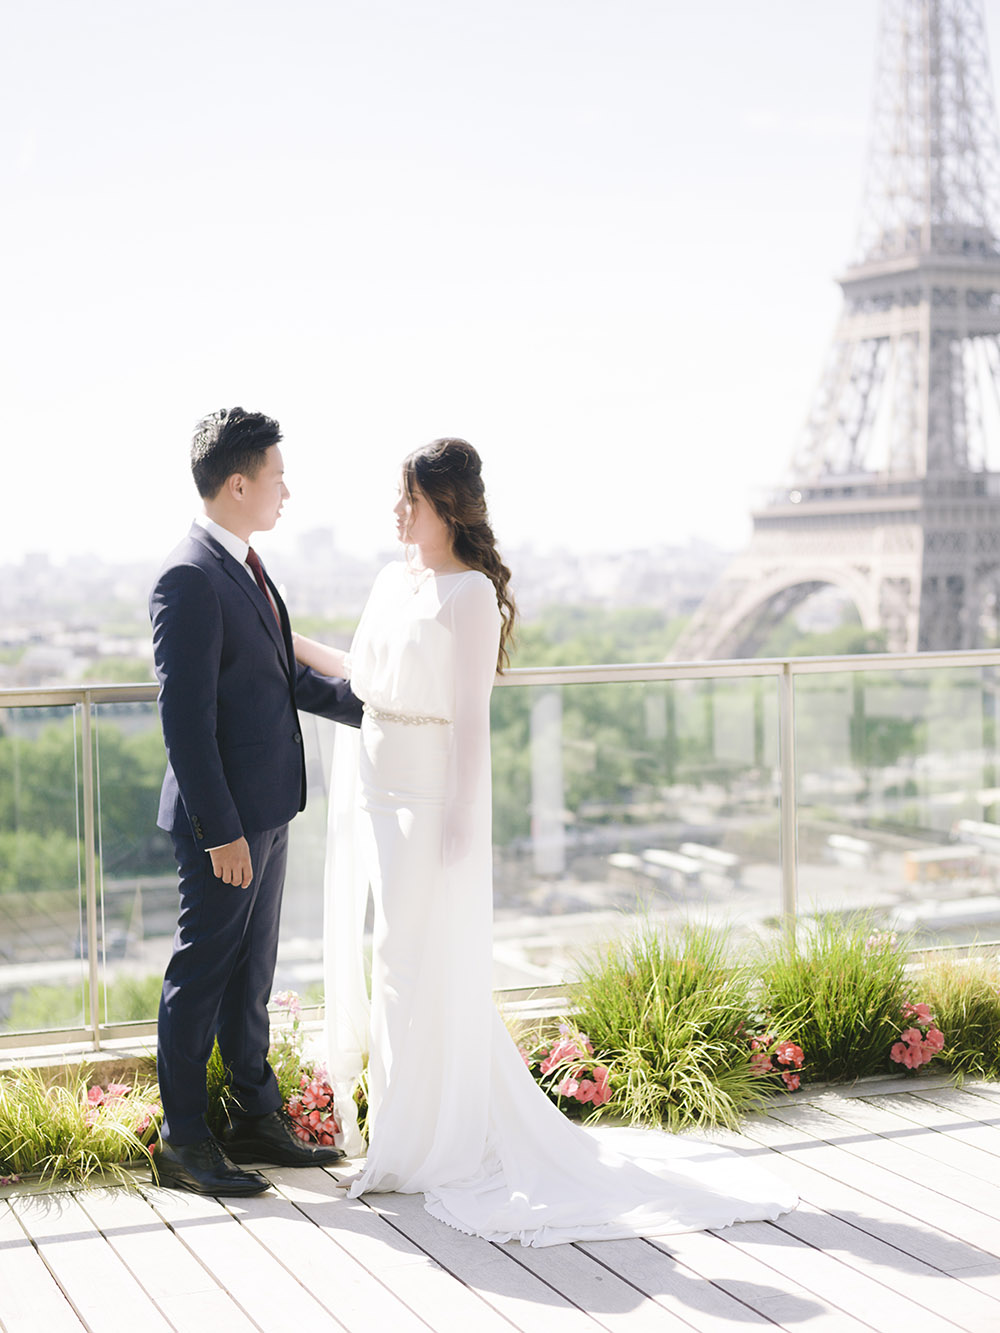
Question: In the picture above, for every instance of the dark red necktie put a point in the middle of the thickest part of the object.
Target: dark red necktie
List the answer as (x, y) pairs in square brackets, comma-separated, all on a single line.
[(257, 569)]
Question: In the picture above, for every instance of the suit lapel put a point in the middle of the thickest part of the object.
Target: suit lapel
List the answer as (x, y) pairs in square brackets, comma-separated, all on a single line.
[(261, 605), (281, 634)]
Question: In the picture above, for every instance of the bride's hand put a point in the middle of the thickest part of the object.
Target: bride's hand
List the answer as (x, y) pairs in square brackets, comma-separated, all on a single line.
[(327, 661)]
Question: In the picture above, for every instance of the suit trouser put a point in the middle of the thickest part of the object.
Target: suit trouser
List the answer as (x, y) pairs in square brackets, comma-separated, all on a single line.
[(218, 983)]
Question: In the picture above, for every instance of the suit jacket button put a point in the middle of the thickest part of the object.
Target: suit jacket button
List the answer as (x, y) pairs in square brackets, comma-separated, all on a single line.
[(297, 738)]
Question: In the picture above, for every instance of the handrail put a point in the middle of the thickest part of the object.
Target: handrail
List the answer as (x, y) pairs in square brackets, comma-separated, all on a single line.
[(582, 673)]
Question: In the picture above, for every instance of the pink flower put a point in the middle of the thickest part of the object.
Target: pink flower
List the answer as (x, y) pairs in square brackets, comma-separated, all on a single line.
[(907, 1054), (581, 1040), (900, 1053), (760, 1062), (118, 1090), (564, 1049), (934, 1041), (568, 1087), (788, 1053), (95, 1095), (792, 1081), (602, 1089), (315, 1097), (880, 940), (311, 1110), (287, 999), (913, 1036), (921, 1012)]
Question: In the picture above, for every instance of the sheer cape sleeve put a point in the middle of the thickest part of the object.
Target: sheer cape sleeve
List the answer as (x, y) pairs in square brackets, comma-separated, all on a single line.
[(475, 630), (345, 901)]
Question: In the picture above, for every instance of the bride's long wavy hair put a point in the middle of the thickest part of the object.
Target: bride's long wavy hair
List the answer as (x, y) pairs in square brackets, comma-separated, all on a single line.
[(448, 472)]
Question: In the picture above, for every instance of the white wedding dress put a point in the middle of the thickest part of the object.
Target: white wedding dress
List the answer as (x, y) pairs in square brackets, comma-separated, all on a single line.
[(453, 1111)]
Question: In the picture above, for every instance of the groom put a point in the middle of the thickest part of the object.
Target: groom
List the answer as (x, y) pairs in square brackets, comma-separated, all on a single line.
[(229, 691)]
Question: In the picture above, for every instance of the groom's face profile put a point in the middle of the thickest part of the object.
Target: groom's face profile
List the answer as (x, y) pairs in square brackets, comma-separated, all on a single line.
[(261, 496)]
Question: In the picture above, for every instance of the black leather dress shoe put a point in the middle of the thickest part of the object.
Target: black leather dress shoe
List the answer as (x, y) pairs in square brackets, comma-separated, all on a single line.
[(270, 1138), (203, 1168)]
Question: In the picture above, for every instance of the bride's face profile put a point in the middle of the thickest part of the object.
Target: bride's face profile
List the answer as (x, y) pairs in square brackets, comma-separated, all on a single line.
[(418, 523)]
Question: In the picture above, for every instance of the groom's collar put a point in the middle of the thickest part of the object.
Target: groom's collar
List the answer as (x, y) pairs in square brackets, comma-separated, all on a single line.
[(236, 546)]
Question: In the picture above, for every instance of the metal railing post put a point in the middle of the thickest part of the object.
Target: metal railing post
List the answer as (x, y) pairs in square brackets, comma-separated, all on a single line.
[(788, 821), (93, 1017)]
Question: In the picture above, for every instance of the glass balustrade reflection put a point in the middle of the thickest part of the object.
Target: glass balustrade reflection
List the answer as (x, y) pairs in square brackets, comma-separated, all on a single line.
[(137, 883), (898, 798), (614, 801), (611, 802), (43, 939), (139, 878), (300, 946)]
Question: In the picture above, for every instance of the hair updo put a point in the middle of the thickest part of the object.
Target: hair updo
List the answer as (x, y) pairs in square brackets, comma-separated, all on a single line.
[(448, 473)]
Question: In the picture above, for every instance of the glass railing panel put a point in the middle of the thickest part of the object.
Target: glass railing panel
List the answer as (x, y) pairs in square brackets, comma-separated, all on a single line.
[(300, 945), (137, 883), (614, 802), (138, 904), (43, 938), (898, 799)]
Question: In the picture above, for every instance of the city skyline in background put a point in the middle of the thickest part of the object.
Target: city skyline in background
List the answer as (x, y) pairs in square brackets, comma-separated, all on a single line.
[(599, 241)]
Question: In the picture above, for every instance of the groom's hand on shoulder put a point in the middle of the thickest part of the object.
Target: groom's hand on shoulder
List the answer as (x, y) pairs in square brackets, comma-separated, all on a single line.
[(231, 863)]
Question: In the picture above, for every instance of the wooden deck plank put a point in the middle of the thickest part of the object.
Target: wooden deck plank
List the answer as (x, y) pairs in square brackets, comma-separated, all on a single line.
[(514, 1291), (783, 1301), (823, 1276), (947, 1236), (949, 1300), (602, 1290), (935, 1113), (927, 1148), (182, 1288), (30, 1297), (868, 1248), (417, 1280), (980, 1110), (842, 1186), (875, 1166), (102, 1291), (356, 1298), (680, 1297), (979, 1088), (268, 1294), (876, 1240)]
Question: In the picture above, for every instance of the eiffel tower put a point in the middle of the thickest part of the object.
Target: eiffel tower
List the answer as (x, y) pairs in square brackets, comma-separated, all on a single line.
[(890, 496)]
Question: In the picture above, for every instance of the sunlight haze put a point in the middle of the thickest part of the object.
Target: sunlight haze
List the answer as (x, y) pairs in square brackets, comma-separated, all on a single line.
[(597, 239)]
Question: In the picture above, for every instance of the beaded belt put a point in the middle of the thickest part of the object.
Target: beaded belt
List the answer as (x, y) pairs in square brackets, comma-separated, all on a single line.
[(408, 718)]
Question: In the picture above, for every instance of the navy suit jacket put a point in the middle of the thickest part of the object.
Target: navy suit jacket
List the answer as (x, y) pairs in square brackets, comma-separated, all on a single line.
[(230, 689)]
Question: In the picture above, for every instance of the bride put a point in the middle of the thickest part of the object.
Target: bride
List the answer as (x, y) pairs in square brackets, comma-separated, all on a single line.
[(453, 1112)]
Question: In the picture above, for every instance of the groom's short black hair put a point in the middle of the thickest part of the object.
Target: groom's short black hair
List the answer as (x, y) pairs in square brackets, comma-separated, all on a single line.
[(229, 441)]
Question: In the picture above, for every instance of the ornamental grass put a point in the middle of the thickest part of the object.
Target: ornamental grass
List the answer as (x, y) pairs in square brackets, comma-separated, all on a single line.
[(965, 997), (839, 991), (668, 1017), (71, 1131), (305, 1091)]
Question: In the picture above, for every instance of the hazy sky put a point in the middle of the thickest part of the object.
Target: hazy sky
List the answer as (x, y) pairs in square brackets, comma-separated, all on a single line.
[(596, 237)]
